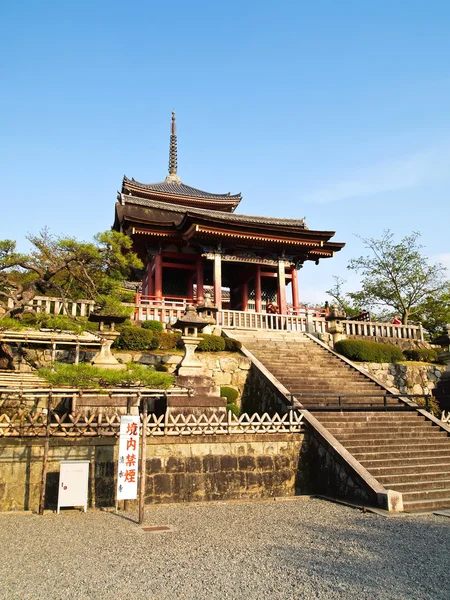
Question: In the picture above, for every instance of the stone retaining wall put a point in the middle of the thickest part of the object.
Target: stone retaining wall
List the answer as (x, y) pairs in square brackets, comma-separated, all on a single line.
[(178, 470), (406, 379)]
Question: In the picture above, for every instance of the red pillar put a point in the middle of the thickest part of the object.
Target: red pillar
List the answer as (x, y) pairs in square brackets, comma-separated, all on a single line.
[(200, 279), (258, 301), (158, 276), (244, 296), (281, 288), (294, 281), (218, 281), (151, 280), (190, 288)]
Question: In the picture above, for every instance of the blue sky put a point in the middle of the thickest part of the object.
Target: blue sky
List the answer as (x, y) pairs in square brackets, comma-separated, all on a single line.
[(333, 111)]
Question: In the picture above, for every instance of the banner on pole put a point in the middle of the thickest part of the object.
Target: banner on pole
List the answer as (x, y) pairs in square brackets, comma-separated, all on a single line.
[(127, 472)]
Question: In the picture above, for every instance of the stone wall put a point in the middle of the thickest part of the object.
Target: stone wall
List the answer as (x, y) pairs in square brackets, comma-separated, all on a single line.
[(406, 379), (178, 470)]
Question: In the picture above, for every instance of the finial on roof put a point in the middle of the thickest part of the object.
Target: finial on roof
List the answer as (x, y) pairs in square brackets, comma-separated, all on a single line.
[(173, 176)]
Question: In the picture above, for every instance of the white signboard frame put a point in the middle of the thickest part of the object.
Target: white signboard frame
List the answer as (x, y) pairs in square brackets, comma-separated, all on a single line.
[(73, 483), (128, 460)]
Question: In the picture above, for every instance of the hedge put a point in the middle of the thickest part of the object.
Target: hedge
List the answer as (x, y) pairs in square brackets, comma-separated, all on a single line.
[(421, 354), (211, 343), (230, 393), (153, 326), (365, 351), (234, 408), (136, 338), (232, 345)]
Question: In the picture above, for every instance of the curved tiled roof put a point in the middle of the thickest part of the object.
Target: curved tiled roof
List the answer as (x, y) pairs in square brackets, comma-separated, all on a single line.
[(176, 188), (232, 217)]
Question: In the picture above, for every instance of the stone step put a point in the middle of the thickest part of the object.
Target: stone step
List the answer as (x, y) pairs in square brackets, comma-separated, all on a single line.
[(405, 470), (401, 478), (381, 436), (363, 418), (388, 428), (369, 458), (431, 494), (357, 447), (426, 505), (420, 485)]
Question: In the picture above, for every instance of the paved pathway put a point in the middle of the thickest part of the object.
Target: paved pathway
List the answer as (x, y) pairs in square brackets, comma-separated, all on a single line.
[(252, 551)]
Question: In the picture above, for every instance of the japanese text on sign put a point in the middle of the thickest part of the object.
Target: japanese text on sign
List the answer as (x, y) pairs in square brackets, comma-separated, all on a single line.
[(128, 458)]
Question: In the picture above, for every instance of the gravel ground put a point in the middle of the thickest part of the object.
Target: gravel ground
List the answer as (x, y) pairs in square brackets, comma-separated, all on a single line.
[(263, 550)]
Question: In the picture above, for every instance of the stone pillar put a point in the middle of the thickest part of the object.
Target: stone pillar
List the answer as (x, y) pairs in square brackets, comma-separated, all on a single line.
[(200, 280), (294, 281), (258, 300), (158, 276), (281, 287), (218, 281)]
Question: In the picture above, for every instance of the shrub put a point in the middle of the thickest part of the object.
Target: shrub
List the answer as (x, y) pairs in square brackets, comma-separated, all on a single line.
[(211, 343), (234, 408), (10, 323), (231, 394), (421, 354), (168, 340), (136, 338), (232, 345), (88, 376), (365, 351), (153, 326), (109, 306)]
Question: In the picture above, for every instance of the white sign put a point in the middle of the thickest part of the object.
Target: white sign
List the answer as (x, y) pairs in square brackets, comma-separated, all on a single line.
[(73, 483), (127, 472)]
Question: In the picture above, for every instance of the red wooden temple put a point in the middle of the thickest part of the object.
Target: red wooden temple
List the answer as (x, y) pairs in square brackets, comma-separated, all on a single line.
[(191, 240)]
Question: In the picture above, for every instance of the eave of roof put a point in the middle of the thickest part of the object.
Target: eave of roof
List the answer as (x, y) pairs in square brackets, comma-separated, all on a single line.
[(178, 189), (216, 214)]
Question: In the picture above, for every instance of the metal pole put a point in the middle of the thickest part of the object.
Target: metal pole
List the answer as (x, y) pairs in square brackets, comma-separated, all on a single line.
[(142, 464), (45, 457)]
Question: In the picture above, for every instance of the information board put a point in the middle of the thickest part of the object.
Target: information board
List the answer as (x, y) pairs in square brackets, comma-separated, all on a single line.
[(73, 483), (127, 472)]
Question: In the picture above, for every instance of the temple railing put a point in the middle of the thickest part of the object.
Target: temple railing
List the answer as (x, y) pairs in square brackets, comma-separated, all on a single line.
[(58, 306), (250, 320), (375, 329), (169, 309)]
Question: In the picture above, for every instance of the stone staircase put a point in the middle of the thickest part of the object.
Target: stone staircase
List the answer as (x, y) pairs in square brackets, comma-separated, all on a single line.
[(401, 449)]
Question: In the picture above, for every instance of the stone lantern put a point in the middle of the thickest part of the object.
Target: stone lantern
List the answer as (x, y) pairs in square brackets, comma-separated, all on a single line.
[(190, 324), (335, 323), (107, 333), (208, 311)]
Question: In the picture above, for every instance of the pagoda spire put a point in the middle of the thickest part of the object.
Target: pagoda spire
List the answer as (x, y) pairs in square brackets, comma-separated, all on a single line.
[(173, 159)]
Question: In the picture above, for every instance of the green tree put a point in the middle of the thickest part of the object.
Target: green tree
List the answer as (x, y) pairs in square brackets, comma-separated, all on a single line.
[(65, 267), (434, 313), (397, 277), (341, 298)]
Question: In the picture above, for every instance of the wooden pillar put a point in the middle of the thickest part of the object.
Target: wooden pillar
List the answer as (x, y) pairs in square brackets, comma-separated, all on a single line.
[(158, 276), (200, 279), (244, 296), (258, 300), (150, 280), (281, 293), (190, 287), (294, 281), (218, 281)]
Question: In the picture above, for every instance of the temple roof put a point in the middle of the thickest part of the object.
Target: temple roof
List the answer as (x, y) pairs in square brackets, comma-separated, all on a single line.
[(181, 211), (174, 188)]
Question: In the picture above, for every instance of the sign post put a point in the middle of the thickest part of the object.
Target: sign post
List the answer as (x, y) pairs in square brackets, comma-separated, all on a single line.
[(127, 471)]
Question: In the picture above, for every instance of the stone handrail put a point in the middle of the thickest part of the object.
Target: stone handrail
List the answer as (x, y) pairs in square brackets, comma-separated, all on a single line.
[(375, 329), (57, 306)]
